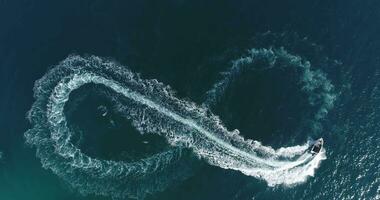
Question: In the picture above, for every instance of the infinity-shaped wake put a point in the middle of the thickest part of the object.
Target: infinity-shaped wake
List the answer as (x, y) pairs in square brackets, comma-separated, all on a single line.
[(153, 109)]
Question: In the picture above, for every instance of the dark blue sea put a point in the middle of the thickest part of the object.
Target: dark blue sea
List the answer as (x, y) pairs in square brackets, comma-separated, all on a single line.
[(178, 99)]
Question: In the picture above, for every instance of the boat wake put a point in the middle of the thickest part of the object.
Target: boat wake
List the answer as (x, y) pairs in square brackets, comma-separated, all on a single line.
[(153, 108)]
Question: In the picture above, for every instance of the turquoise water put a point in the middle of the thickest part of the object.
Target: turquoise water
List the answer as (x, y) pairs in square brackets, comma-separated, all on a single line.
[(188, 100)]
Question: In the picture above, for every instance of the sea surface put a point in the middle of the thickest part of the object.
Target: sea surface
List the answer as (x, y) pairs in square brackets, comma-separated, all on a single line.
[(176, 99)]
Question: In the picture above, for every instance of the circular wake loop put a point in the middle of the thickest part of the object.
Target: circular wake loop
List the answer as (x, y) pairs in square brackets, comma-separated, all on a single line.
[(314, 83), (154, 109)]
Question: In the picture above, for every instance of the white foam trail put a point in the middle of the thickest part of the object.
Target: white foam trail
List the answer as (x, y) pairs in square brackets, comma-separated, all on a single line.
[(314, 82), (154, 109), (61, 94), (320, 93)]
